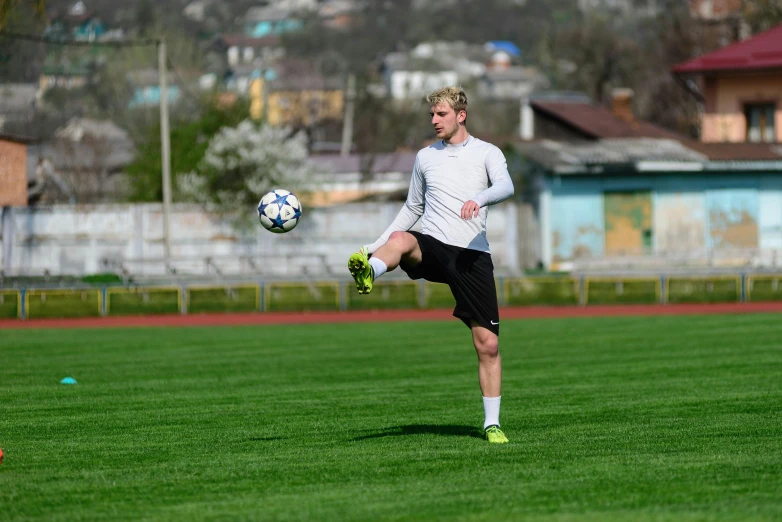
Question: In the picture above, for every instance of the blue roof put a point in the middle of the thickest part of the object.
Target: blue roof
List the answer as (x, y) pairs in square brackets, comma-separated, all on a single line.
[(504, 45)]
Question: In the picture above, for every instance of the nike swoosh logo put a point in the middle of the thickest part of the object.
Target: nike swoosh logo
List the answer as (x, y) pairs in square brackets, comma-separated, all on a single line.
[(492, 322)]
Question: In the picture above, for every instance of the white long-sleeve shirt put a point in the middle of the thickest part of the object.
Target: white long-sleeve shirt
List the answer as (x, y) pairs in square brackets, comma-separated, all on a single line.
[(444, 178)]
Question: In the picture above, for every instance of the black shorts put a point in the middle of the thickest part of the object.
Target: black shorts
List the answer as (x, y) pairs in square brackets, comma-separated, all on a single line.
[(469, 274)]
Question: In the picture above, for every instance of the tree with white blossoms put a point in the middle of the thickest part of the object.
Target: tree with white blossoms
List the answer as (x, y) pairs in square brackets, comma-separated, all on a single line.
[(242, 164)]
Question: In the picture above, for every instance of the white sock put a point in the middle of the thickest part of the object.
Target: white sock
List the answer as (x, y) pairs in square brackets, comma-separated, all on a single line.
[(378, 265), (491, 409)]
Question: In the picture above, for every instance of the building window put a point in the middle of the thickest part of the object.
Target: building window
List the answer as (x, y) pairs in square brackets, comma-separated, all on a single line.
[(760, 122), (233, 55)]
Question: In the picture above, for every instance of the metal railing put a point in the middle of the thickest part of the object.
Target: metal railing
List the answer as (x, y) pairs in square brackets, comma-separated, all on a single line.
[(702, 259), (220, 265), (340, 295)]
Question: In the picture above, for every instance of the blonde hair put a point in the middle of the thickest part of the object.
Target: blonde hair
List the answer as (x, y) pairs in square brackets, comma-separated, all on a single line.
[(453, 96)]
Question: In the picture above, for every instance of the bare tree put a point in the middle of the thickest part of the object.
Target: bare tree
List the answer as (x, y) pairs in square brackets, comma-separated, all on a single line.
[(243, 163), (761, 15), (7, 8), (602, 55)]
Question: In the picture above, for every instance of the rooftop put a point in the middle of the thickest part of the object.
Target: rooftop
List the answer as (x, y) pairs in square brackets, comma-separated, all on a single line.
[(738, 151), (762, 51), (647, 154), (567, 157), (78, 128), (16, 138), (596, 121), (503, 45)]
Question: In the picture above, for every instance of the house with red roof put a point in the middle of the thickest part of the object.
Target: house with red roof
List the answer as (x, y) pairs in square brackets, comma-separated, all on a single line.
[(740, 87)]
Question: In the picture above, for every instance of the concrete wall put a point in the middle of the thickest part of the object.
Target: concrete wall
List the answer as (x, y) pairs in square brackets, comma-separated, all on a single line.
[(76, 239), (404, 85), (692, 215)]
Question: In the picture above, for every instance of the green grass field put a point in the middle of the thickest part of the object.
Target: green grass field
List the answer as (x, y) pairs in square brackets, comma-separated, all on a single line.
[(650, 419)]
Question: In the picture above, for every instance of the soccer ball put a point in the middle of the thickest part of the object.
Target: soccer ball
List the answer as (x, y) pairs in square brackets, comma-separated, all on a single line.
[(279, 211)]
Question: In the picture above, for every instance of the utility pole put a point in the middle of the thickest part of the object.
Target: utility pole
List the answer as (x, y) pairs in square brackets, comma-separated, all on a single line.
[(165, 145), (347, 125)]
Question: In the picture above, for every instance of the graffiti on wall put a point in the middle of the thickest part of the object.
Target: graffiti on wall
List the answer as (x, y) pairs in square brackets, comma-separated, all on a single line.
[(628, 223), (770, 219), (680, 222), (733, 218), (577, 227)]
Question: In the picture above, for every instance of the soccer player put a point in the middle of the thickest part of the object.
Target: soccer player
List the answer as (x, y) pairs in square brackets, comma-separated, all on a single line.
[(453, 182)]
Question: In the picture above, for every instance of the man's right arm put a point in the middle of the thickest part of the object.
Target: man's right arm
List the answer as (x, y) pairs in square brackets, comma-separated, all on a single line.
[(412, 210)]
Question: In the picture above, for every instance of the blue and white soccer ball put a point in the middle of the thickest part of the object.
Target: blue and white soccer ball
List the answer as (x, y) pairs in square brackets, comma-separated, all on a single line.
[(279, 211)]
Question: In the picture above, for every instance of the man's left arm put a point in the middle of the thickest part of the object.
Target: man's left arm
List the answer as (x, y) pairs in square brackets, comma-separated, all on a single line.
[(501, 187)]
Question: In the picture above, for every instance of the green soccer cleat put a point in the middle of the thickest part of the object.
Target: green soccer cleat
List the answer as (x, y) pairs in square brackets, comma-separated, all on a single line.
[(495, 435), (361, 270)]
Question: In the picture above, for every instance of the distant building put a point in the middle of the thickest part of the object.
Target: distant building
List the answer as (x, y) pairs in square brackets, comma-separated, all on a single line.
[(70, 70), (82, 164), (296, 5), (240, 77), (77, 23), (625, 7), (495, 67), (609, 191), (18, 102), (73, 67), (574, 117), (269, 21), (297, 94), (304, 102), (357, 177), (740, 87), (196, 10), (405, 84), (510, 82), (146, 89), (243, 49), (411, 75), (338, 14)]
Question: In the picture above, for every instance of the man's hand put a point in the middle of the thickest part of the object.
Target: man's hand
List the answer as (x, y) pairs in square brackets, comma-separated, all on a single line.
[(470, 209)]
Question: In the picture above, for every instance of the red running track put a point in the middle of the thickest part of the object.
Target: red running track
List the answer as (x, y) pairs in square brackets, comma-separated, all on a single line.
[(536, 312)]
